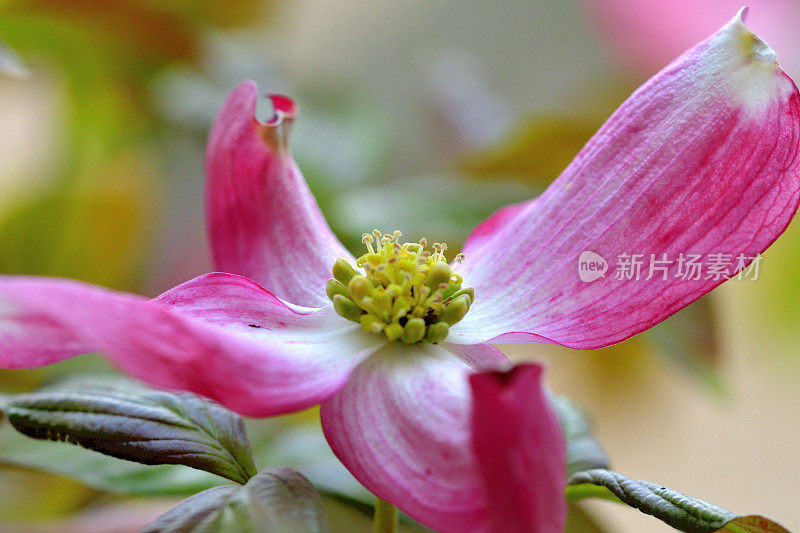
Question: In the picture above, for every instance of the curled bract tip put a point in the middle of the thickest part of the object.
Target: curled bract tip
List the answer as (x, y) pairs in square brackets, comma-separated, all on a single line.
[(276, 130), (754, 48), (283, 108), (741, 15)]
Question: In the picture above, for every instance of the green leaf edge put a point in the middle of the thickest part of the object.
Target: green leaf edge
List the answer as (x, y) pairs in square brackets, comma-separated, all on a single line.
[(242, 467), (682, 512)]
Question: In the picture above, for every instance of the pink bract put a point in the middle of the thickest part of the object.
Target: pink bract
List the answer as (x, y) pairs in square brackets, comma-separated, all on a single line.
[(521, 451), (702, 159)]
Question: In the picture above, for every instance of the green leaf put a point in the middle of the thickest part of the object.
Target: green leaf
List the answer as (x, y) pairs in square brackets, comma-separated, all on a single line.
[(100, 471), (291, 440), (672, 507), (583, 451), (274, 500), (149, 427), (301, 446), (753, 524)]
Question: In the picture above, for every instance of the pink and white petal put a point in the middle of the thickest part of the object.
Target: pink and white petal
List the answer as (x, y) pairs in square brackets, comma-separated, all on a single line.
[(234, 301), (225, 337), (701, 160), (520, 449), (479, 356), (401, 425), (263, 222)]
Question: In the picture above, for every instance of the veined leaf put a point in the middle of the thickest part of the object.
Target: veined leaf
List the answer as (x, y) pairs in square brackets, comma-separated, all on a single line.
[(671, 507), (100, 471), (289, 440), (275, 500), (677, 510), (137, 424)]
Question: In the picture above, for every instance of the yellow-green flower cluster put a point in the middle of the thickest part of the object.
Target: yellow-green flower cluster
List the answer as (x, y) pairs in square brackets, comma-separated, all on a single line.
[(405, 291)]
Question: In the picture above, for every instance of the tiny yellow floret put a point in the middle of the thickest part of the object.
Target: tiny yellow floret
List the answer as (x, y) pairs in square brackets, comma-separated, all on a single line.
[(403, 291)]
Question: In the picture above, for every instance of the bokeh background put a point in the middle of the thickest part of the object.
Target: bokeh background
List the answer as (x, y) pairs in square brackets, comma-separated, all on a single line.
[(420, 116)]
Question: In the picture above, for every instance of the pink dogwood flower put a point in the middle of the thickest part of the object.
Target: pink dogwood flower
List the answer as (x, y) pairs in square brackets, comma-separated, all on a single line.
[(700, 160)]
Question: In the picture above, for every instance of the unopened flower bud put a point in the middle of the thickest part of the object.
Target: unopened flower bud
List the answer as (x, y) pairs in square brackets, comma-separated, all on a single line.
[(346, 308), (413, 331), (469, 291), (393, 331), (371, 323), (451, 290), (334, 287), (343, 271), (359, 287), (439, 274), (456, 309), (437, 332)]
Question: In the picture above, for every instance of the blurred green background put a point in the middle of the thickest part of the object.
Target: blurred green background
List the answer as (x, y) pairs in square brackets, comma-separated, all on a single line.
[(420, 116)]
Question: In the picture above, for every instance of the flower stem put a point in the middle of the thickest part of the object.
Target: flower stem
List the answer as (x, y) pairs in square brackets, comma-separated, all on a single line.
[(385, 520)]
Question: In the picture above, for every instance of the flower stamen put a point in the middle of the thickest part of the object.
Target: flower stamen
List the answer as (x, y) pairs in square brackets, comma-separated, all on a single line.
[(404, 292)]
